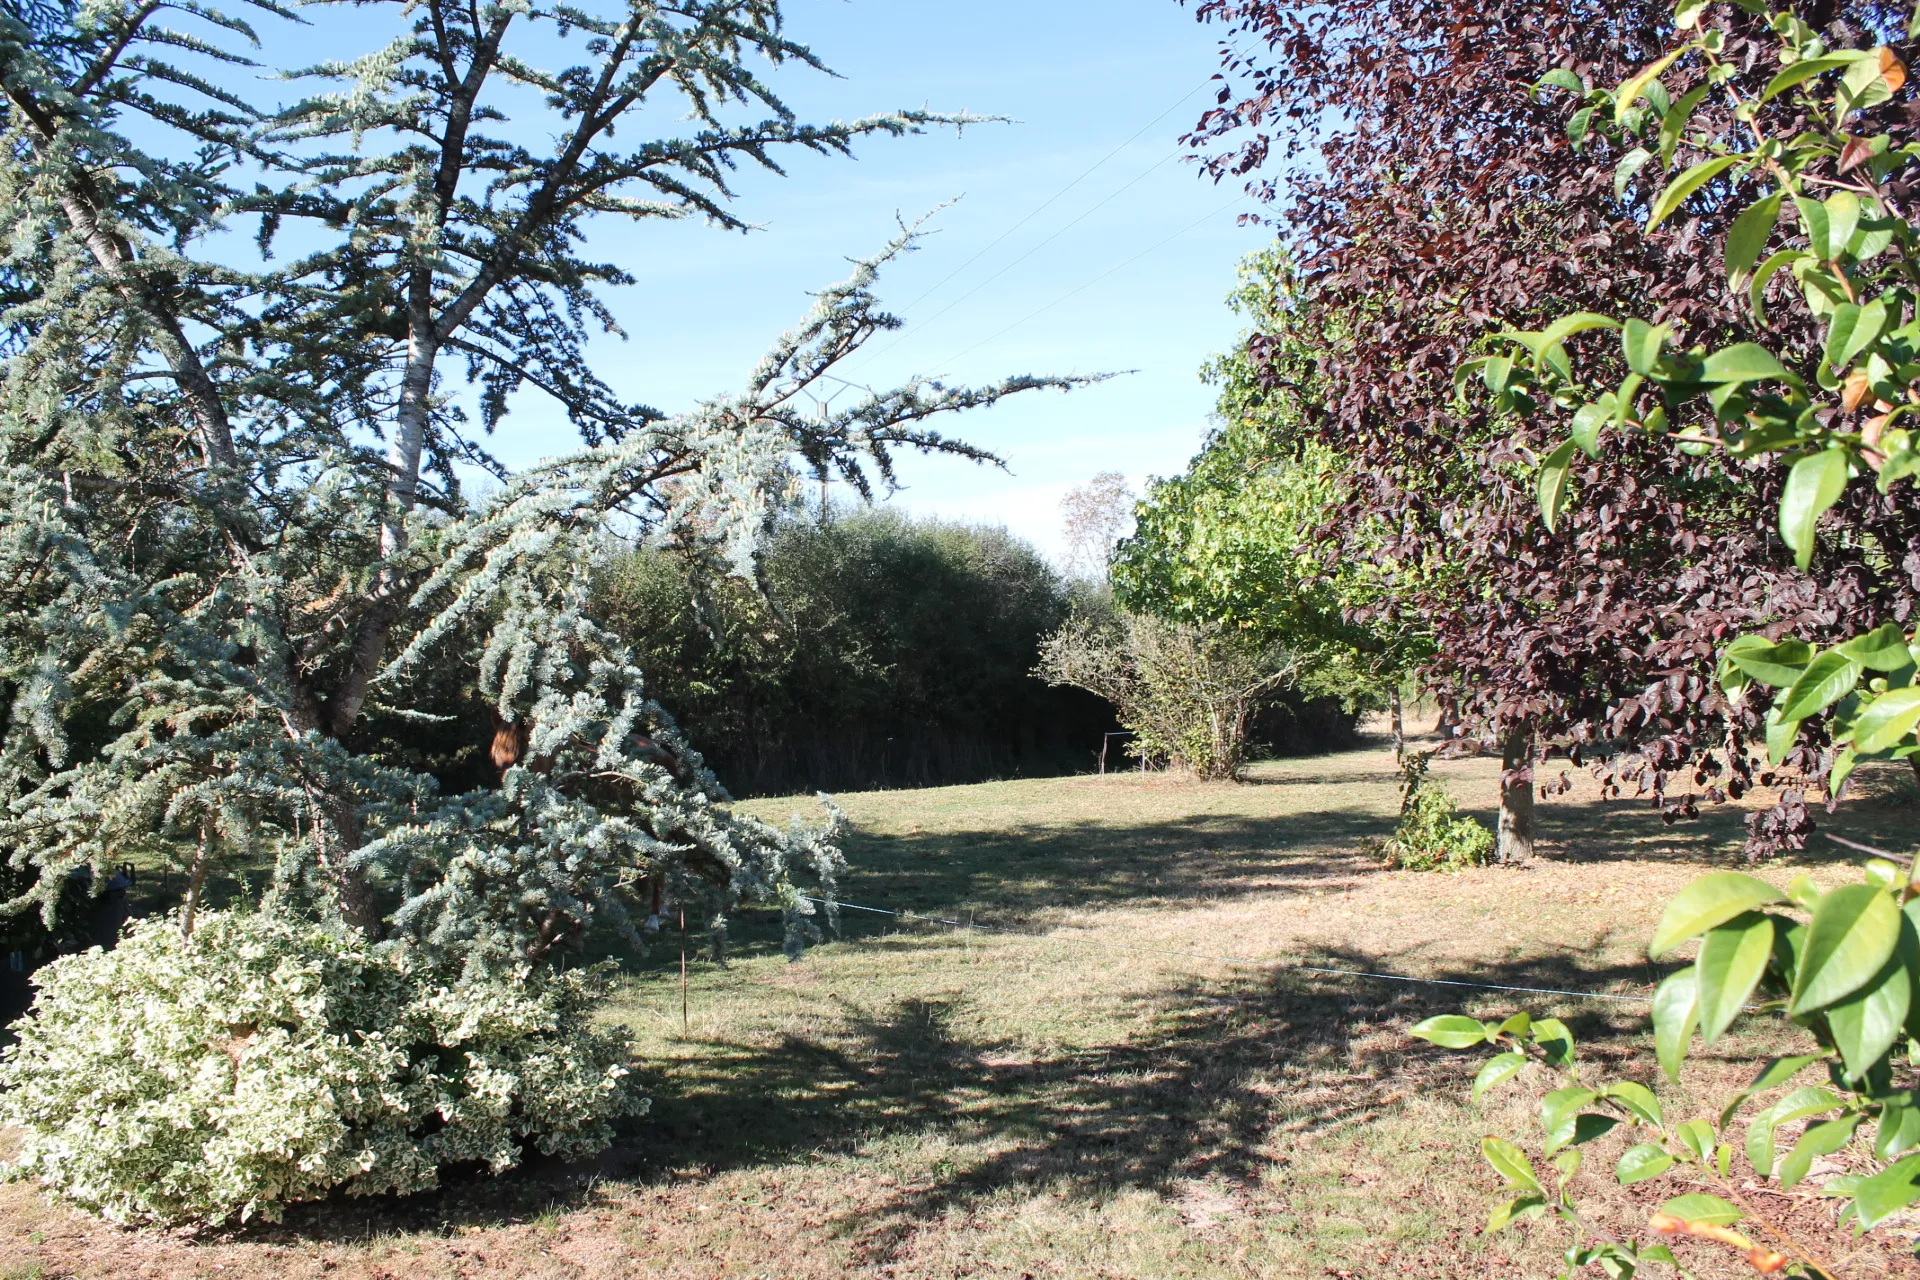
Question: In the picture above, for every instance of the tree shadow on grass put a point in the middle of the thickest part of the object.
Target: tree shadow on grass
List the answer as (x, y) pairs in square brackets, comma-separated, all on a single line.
[(1229, 1078), (1014, 877), (1230, 1073), (1882, 809)]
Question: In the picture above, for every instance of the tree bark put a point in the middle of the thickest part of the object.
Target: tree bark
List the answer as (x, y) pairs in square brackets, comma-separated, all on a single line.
[(1515, 842), (1398, 723), (196, 879)]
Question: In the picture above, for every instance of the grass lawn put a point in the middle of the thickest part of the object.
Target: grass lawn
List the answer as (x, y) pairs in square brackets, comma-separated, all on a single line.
[(1063, 1096)]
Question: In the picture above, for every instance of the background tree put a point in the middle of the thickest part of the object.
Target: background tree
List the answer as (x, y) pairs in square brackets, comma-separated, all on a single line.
[(1095, 517), (1599, 636), (877, 650), (1188, 691), (1235, 539)]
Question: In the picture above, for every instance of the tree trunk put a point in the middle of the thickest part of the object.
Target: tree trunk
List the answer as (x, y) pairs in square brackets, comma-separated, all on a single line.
[(338, 834), (409, 436), (1515, 842), (1398, 724), (196, 879), (1914, 761)]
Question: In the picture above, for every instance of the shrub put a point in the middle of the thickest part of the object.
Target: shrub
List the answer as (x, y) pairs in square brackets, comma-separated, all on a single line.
[(1187, 690), (887, 650), (264, 1061), (1431, 836)]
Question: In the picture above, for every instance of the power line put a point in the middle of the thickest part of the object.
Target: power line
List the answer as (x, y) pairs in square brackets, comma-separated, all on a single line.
[(1096, 280), (1048, 202), (1139, 178), (1037, 211), (1280, 965)]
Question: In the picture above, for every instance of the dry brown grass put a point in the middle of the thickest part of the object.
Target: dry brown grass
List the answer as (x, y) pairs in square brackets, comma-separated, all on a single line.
[(910, 1101)]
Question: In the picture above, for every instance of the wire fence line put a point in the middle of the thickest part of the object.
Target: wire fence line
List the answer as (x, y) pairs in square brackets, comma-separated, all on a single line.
[(1285, 966)]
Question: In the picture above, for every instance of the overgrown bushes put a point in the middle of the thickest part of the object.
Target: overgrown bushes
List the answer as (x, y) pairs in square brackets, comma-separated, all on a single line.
[(265, 1061), (1187, 690), (886, 651)]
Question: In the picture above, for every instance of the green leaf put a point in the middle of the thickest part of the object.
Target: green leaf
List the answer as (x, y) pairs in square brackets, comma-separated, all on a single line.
[(1887, 1192), (1553, 1039), (1864, 85), (1882, 649), (1899, 1129), (1887, 721), (1636, 84), (1509, 1162), (1748, 236), (1732, 959), (1528, 1206), (1517, 1024), (1852, 330), (1675, 1014), (1873, 238), (1675, 121), (1638, 1099), (1822, 1139), (1562, 1103), (1707, 903), (1587, 421), (1797, 1105), (1866, 1023), (1495, 372), (1579, 124), (1813, 225), (1741, 362), (1756, 290), (1499, 1067), (1814, 484), (1697, 1137), (1579, 322), (1642, 1162), (1641, 343), (1574, 1130), (1467, 369), (1630, 164), (1686, 184), (1844, 761), (1562, 78), (1807, 69), (1780, 735), (1781, 1070), (1843, 219), (1700, 1207), (1553, 483), (1776, 665), (1827, 679), (1854, 931), (1451, 1031)]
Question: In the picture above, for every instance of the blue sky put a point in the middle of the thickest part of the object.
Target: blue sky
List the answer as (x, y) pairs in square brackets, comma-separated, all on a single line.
[(1127, 268), (1078, 240)]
